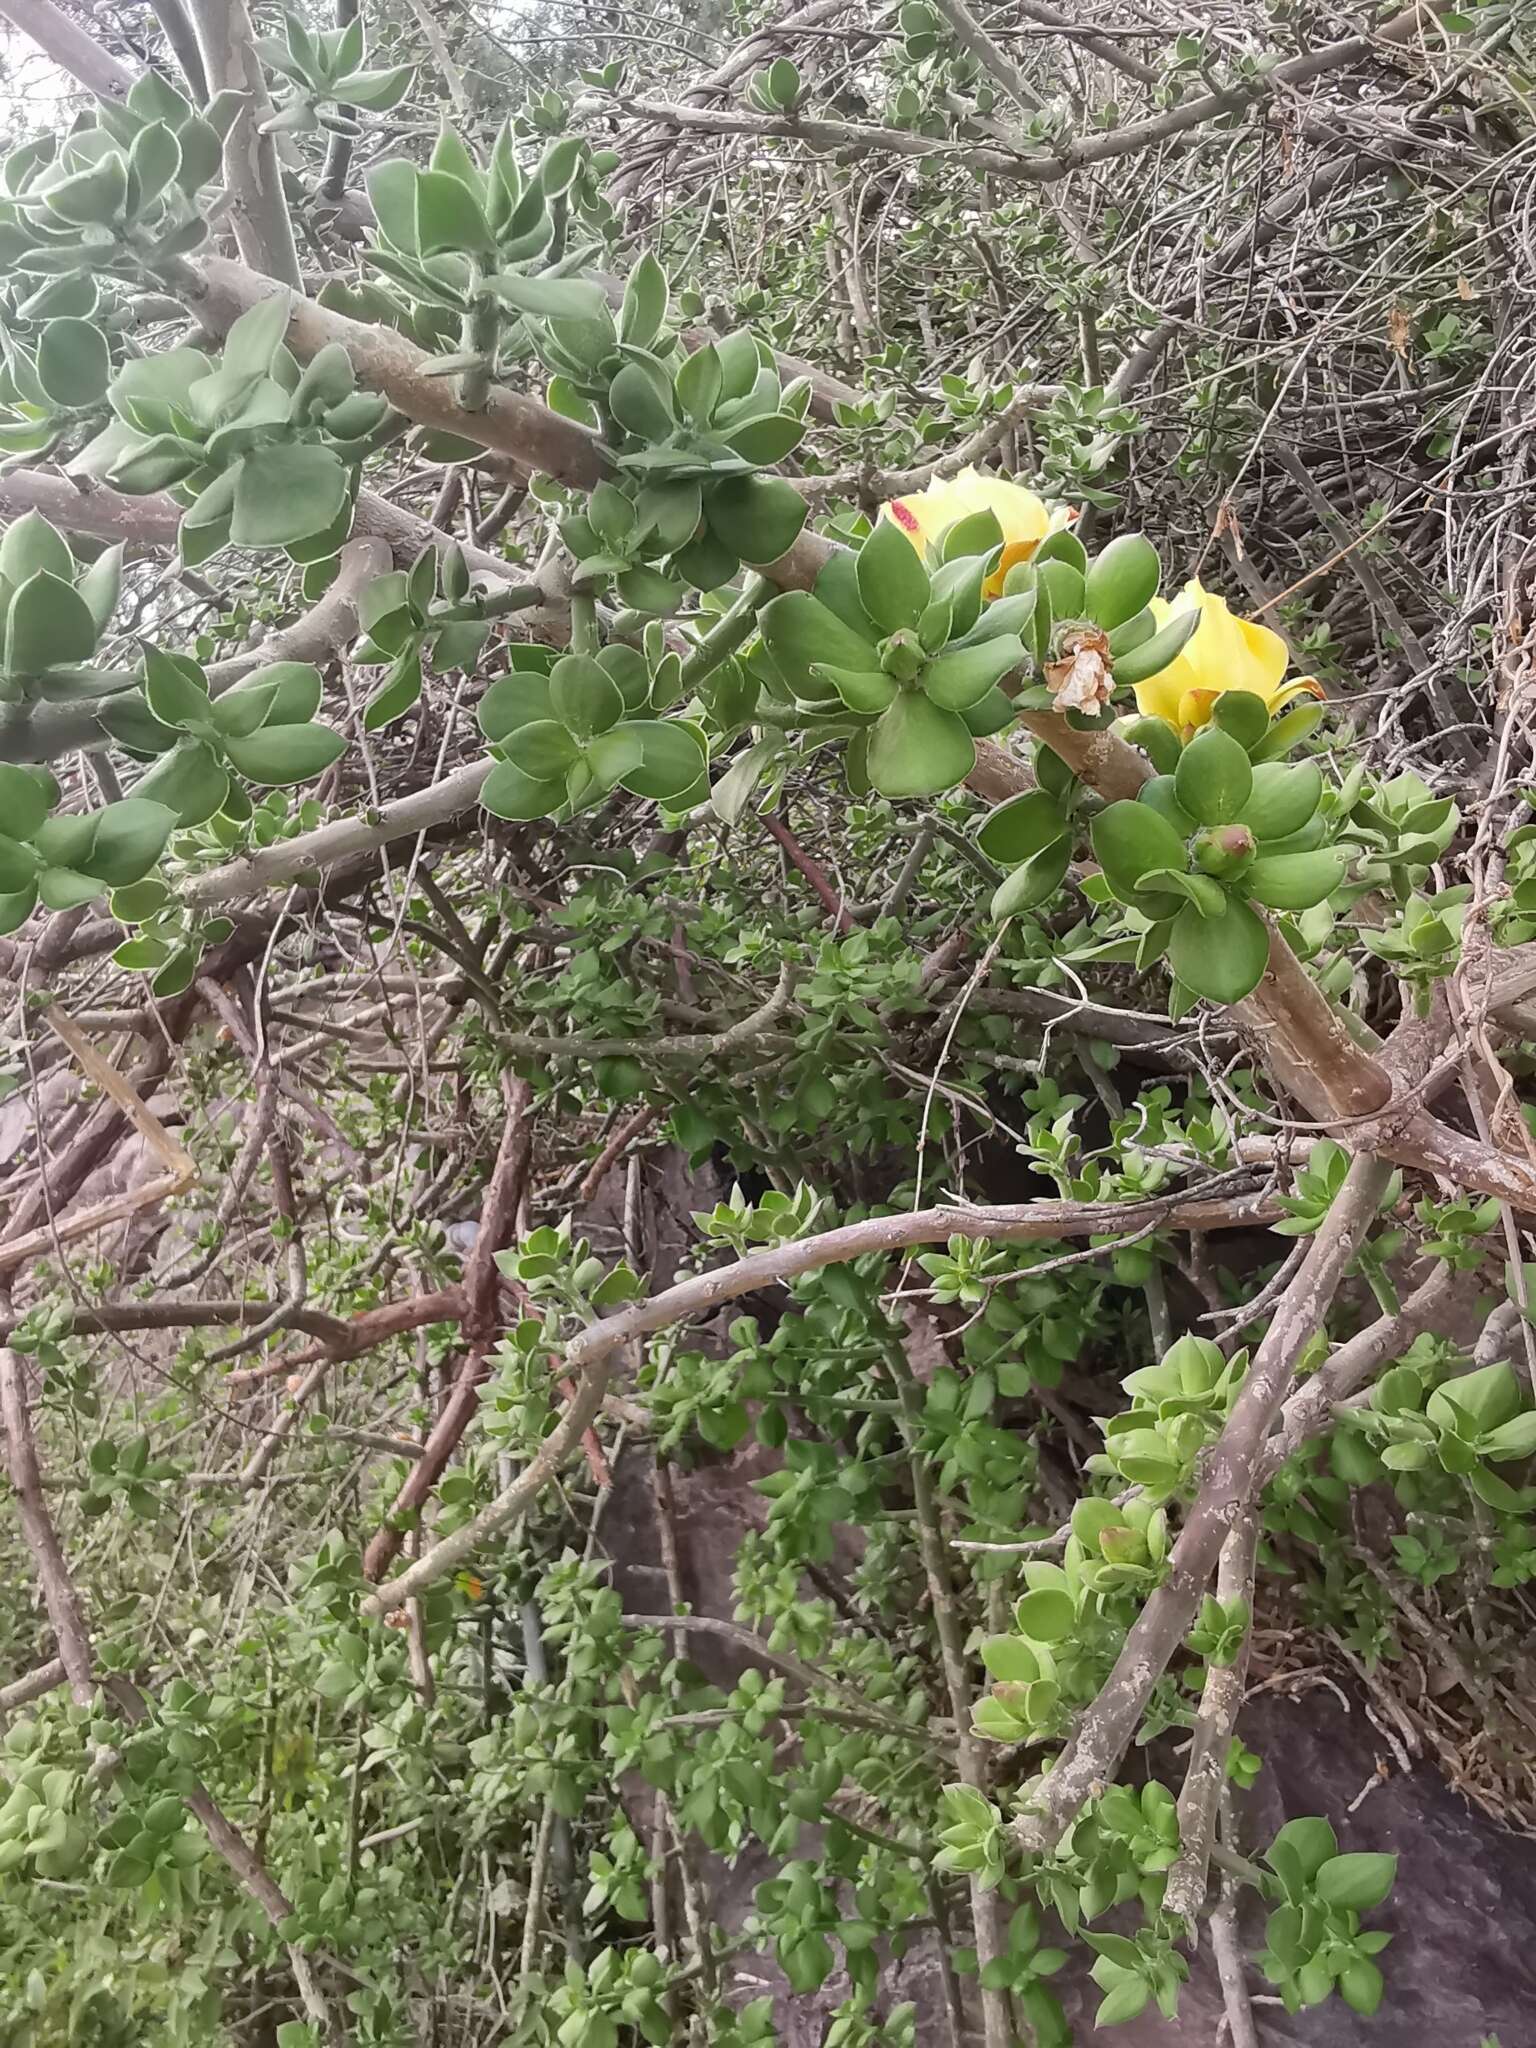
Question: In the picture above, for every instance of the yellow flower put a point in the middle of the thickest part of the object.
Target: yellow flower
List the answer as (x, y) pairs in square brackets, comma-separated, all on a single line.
[(1223, 653), (1024, 518)]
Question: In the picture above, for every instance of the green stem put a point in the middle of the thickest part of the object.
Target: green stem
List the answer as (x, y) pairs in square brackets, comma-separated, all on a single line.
[(1239, 1867), (517, 597), (478, 335), (585, 638), (728, 631)]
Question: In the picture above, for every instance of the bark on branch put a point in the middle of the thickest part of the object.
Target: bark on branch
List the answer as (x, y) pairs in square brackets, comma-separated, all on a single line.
[(263, 230)]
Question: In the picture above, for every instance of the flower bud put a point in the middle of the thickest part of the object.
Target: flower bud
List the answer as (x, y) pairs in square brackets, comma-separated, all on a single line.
[(902, 655), (1224, 850)]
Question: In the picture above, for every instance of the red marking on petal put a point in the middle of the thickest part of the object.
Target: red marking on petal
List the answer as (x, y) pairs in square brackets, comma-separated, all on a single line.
[(905, 516)]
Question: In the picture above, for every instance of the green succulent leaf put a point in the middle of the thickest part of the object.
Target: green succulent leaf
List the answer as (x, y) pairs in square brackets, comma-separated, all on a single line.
[(1282, 798), (1121, 580), (893, 584), (1222, 958), (74, 363), (285, 493), (1294, 881), (48, 623), (918, 749), (802, 635), (1130, 839), (278, 755)]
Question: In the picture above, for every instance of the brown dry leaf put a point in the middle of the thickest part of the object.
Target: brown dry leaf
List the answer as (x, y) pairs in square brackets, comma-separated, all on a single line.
[(1399, 330), (1080, 679), (1463, 287)]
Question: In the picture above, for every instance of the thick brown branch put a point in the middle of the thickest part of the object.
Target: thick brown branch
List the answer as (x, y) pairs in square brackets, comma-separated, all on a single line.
[(351, 1337), (1220, 1700), (509, 423)]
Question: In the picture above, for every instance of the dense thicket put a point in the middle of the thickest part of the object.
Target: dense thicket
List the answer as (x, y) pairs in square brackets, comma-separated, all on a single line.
[(764, 1083)]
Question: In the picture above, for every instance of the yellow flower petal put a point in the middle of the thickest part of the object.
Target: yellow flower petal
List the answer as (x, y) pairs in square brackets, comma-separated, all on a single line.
[(1298, 686), (1024, 518), (1159, 697), (1014, 551), (1223, 653), (1267, 658)]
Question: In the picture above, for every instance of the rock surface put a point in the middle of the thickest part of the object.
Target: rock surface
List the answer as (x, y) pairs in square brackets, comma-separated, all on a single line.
[(1462, 1965)]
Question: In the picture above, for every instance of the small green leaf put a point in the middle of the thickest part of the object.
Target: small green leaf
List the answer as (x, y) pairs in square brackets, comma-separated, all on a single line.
[(1294, 881), (965, 675), (1361, 1984), (48, 623), (759, 518), (1121, 580), (376, 92), (175, 689), (1047, 1615), (1149, 657), (800, 634), (1244, 714), (638, 404), (1020, 828), (1035, 881), (1128, 1998), (583, 696), (1130, 840), (645, 302), (18, 867), (91, 198), (697, 385), (917, 749), (508, 792), (1010, 1660), (672, 758), (1357, 1881), (74, 363), (767, 440), (1283, 797), (281, 754), (399, 691), (450, 217), (551, 298), (284, 493), (893, 584), (1214, 778), (1222, 958), (26, 797), (130, 837), (255, 337), (190, 780), (30, 544)]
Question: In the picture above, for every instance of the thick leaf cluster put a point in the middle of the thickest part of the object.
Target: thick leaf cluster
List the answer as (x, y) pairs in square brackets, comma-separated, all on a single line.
[(325, 69), (119, 194), (1227, 829), (568, 728), (261, 452), (263, 730), (52, 615)]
